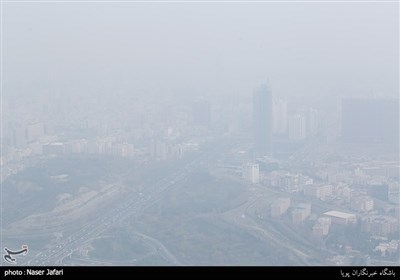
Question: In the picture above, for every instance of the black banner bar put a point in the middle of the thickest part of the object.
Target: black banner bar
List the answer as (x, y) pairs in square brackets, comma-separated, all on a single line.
[(244, 272)]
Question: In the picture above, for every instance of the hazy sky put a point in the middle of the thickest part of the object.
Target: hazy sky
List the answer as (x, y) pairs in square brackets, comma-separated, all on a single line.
[(202, 48)]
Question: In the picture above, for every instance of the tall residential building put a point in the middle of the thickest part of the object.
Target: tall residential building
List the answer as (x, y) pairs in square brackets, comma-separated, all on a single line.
[(300, 213), (312, 121), (297, 127), (362, 204), (321, 227), (251, 172), (262, 109), (379, 225), (280, 206), (279, 116)]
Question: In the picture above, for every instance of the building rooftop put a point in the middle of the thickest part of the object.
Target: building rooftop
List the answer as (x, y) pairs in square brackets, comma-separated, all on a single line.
[(57, 144), (339, 214)]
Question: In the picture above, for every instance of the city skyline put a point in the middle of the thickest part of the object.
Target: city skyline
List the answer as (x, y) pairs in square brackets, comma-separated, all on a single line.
[(200, 134)]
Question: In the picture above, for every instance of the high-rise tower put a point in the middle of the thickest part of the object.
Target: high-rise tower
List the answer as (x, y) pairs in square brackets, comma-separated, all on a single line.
[(262, 109)]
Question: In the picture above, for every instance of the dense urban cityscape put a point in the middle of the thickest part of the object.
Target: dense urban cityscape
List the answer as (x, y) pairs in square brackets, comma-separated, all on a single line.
[(327, 200), (97, 170)]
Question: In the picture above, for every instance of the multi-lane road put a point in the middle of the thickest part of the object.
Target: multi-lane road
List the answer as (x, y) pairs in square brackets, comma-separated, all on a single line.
[(131, 205)]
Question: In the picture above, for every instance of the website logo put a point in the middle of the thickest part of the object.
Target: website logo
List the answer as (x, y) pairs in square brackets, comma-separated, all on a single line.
[(8, 257)]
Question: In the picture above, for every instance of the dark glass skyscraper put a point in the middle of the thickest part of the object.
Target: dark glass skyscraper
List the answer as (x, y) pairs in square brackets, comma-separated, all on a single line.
[(262, 109)]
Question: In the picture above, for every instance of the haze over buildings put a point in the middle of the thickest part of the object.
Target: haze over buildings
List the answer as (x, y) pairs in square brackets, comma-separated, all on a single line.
[(262, 121), (370, 121), (226, 133)]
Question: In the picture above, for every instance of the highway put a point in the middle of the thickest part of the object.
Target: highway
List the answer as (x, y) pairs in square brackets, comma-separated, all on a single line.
[(133, 204)]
